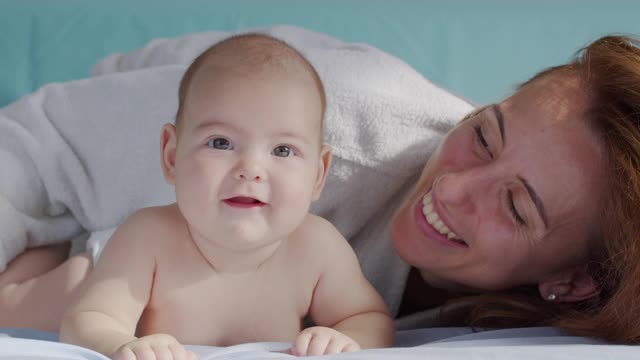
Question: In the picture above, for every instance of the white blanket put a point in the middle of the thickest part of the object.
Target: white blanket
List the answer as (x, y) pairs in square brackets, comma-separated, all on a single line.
[(78, 157)]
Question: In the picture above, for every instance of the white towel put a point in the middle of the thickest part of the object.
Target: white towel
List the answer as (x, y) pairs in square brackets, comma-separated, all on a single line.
[(81, 156)]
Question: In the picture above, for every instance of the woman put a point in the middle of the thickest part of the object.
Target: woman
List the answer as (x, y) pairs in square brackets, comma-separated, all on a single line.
[(524, 215), (537, 195)]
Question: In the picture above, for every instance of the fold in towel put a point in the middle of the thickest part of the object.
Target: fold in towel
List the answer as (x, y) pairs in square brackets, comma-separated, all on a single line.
[(80, 156), (83, 155)]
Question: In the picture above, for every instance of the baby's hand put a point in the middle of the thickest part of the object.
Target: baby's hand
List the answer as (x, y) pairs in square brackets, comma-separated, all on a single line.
[(320, 340), (154, 347)]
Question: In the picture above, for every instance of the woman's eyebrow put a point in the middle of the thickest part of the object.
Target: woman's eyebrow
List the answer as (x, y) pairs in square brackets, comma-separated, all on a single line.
[(500, 118), (536, 200)]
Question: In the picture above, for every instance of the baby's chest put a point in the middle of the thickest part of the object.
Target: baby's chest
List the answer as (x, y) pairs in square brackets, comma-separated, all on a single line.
[(229, 311)]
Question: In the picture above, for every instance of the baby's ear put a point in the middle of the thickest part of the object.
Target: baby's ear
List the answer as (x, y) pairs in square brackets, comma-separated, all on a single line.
[(324, 162), (168, 143)]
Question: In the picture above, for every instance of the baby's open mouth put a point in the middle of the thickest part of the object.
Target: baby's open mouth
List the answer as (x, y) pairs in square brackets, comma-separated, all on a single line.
[(243, 202)]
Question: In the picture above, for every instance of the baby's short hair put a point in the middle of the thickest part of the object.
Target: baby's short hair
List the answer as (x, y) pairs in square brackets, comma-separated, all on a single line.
[(252, 53)]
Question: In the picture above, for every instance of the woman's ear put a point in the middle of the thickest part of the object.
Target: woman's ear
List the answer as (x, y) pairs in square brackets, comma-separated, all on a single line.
[(323, 169), (168, 143), (571, 285)]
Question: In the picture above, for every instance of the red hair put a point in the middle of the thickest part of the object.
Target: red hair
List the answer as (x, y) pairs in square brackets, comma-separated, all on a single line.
[(609, 70)]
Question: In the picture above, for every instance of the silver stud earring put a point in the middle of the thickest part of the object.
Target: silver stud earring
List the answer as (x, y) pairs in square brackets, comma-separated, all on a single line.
[(551, 297)]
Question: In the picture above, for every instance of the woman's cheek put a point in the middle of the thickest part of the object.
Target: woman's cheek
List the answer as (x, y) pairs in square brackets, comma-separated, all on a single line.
[(452, 153), (444, 155)]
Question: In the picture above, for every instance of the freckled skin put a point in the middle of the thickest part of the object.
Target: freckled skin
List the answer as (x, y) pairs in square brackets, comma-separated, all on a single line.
[(550, 145)]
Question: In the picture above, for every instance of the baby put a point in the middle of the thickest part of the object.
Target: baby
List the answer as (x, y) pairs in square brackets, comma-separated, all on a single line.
[(237, 258)]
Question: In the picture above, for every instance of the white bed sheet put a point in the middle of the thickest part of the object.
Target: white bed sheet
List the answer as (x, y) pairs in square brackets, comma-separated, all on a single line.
[(443, 343)]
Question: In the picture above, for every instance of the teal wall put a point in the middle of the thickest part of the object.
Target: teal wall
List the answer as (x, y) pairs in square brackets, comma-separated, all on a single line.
[(477, 49)]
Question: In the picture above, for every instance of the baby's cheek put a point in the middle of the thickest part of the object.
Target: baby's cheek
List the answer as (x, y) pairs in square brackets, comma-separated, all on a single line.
[(296, 195), (293, 200)]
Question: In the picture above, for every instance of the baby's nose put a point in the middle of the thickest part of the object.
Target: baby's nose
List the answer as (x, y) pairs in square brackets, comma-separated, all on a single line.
[(242, 176), (250, 170)]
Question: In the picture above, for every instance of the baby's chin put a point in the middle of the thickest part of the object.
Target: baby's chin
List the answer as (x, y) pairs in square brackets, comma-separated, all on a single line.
[(246, 242)]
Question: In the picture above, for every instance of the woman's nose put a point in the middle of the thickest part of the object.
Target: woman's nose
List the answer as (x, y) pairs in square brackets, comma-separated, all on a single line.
[(462, 189)]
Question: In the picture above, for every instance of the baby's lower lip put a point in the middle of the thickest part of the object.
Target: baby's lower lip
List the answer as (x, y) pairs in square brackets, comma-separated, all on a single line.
[(243, 203)]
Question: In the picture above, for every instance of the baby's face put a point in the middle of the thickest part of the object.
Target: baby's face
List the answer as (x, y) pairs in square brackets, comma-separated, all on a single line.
[(248, 157)]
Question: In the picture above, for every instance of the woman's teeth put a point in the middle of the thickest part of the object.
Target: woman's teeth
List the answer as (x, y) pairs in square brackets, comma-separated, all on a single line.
[(433, 219)]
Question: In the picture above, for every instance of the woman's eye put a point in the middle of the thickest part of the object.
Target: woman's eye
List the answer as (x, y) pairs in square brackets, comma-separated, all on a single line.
[(282, 151), (514, 211), (482, 140), (219, 143)]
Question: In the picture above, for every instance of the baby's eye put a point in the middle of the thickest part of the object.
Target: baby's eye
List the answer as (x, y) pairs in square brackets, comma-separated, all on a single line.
[(282, 151), (219, 143)]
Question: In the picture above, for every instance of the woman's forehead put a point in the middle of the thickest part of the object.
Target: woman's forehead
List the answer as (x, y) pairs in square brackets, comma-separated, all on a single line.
[(559, 95)]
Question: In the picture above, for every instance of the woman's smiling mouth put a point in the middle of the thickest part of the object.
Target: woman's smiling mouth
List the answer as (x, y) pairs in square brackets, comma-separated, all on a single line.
[(432, 226)]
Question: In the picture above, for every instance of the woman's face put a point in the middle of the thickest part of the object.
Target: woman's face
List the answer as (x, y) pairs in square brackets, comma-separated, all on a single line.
[(510, 197)]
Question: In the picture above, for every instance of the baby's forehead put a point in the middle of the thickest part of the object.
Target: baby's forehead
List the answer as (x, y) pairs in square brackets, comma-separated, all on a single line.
[(272, 97), (260, 56), (272, 62), (221, 77), (238, 66)]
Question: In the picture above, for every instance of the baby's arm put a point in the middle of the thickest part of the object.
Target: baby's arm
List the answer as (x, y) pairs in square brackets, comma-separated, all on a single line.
[(344, 301), (105, 315)]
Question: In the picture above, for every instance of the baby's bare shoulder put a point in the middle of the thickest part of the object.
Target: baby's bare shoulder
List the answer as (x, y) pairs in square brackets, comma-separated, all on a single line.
[(150, 224), (160, 214), (317, 234), (314, 225)]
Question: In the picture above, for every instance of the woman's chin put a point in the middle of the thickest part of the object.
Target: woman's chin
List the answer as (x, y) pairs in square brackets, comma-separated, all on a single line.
[(412, 244)]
